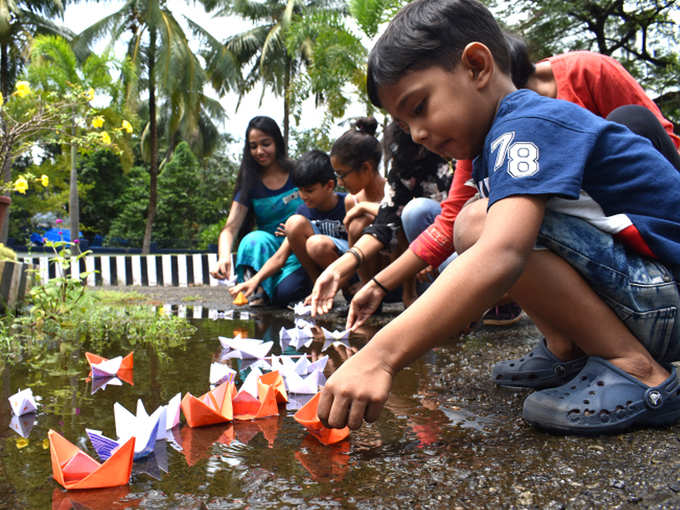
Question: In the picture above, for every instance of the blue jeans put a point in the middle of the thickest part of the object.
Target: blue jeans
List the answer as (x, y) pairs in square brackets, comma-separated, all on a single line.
[(642, 292), (419, 214)]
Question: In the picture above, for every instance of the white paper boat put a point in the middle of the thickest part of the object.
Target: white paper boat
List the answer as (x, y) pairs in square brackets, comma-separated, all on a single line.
[(335, 338), (105, 446), (23, 402), (244, 348), (308, 385), (250, 384), (219, 373), (302, 309), (106, 368)]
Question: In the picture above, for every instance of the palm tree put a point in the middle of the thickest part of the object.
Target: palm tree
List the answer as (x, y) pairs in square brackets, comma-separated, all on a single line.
[(20, 21), (167, 67), (262, 49), (54, 67)]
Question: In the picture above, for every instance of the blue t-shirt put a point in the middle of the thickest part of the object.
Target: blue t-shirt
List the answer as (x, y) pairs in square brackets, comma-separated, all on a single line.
[(591, 168), (271, 207), (327, 222)]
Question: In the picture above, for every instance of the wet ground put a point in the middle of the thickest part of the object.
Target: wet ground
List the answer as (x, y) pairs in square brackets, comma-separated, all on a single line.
[(448, 438)]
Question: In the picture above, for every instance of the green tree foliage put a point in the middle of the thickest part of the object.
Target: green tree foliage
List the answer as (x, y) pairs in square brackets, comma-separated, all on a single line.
[(20, 21), (642, 35), (132, 204)]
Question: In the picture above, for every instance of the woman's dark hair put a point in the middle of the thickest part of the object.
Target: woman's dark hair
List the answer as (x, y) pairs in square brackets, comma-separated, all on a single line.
[(312, 167), (359, 144), (407, 158), (429, 33), (521, 66), (249, 172)]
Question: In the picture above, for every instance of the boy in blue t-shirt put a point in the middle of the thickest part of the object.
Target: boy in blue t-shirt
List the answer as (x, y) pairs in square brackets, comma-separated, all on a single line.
[(580, 225), (316, 232)]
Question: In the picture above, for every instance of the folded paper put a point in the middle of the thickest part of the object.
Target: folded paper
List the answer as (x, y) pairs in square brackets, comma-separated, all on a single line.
[(100, 383), (23, 402), (307, 417), (210, 408), (23, 424), (219, 373), (118, 366), (74, 469), (240, 299), (244, 348)]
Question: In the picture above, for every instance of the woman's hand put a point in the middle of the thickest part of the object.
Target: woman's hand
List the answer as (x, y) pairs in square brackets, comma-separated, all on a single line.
[(223, 269), (363, 305), (323, 293), (427, 275)]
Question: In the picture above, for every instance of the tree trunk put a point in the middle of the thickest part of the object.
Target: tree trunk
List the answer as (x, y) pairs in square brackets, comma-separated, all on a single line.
[(153, 128), (73, 206), (5, 176), (286, 102), (4, 71)]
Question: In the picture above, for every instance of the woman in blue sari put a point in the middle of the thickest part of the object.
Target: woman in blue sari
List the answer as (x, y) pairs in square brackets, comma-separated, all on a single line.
[(266, 194)]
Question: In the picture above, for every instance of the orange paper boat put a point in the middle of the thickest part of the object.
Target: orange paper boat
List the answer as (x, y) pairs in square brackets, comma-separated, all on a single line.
[(247, 407), (124, 372), (272, 379), (210, 408), (240, 299), (306, 416), (74, 469)]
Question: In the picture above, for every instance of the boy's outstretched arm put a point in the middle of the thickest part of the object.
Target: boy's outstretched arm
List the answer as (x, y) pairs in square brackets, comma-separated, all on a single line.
[(273, 264), (468, 286)]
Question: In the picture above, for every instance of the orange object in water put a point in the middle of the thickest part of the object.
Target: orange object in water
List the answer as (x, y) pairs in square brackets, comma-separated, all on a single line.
[(247, 407), (74, 469), (240, 299), (307, 417), (124, 371), (272, 379), (210, 408)]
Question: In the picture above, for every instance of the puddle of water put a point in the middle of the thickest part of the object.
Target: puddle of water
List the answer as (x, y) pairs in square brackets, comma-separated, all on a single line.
[(244, 463)]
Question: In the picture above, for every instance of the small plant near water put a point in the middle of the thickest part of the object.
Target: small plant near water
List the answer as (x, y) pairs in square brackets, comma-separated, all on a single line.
[(61, 316)]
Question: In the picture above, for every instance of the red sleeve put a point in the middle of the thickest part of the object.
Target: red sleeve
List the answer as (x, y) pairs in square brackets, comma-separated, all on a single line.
[(435, 244), (601, 84)]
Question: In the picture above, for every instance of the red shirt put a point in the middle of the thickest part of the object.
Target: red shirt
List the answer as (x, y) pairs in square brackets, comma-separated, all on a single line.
[(591, 80)]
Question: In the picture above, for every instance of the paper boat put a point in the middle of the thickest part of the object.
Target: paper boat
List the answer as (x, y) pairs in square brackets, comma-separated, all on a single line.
[(240, 299), (244, 348), (275, 380), (297, 401), (74, 469), (22, 425), (210, 408), (306, 416), (333, 338), (309, 384), (296, 337), (23, 402), (247, 407), (302, 309), (219, 373), (118, 366), (105, 446), (167, 417)]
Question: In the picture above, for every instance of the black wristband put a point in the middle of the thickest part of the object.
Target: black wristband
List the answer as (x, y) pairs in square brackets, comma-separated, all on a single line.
[(357, 255), (384, 289)]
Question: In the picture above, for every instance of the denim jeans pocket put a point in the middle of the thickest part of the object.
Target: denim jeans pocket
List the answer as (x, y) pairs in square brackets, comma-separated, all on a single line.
[(653, 327)]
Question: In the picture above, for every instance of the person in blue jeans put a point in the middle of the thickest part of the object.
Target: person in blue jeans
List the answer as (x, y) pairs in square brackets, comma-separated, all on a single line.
[(579, 224)]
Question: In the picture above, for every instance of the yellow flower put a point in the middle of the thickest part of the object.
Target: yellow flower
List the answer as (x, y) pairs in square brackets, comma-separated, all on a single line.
[(2, 100), (23, 88), (45, 444), (89, 94), (97, 121), (127, 127), (44, 180), (106, 139), (21, 185), (22, 442)]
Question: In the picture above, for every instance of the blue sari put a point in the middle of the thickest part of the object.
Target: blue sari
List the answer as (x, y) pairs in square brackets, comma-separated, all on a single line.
[(271, 207)]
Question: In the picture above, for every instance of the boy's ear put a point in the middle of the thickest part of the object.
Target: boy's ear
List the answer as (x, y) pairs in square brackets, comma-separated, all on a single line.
[(478, 60), (366, 166), (330, 185)]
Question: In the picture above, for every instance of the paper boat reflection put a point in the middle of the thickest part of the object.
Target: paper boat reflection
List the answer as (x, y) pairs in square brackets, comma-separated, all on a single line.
[(74, 469), (306, 416), (245, 431), (324, 463), (100, 383), (197, 442), (93, 499), (22, 425)]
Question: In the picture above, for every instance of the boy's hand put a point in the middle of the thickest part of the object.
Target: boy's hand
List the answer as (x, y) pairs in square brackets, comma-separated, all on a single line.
[(363, 305), (357, 391), (280, 230), (247, 288), (323, 293), (427, 275)]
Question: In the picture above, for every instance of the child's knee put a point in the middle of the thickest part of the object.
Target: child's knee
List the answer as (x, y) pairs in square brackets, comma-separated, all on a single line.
[(469, 224), (319, 247)]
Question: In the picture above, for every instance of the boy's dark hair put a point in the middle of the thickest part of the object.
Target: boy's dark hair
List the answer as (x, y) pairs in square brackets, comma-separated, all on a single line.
[(407, 158), (312, 167), (521, 66), (429, 33), (359, 144)]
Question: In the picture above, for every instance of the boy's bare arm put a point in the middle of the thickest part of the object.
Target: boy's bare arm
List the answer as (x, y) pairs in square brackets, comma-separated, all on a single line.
[(273, 264), (468, 286)]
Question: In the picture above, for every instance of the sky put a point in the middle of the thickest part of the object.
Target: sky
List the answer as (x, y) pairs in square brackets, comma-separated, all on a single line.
[(79, 16)]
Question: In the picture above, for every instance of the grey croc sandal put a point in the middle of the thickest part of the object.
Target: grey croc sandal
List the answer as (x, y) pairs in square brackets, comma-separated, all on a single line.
[(603, 399), (538, 369)]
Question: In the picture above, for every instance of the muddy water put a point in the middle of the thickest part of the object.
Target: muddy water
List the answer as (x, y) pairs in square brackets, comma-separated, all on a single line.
[(448, 438)]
